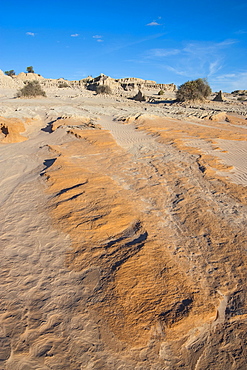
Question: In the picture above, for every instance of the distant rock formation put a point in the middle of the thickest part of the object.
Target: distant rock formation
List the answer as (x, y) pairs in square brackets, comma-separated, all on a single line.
[(137, 83), (90, 83), (239, 92), (127, 84), (219, 96)]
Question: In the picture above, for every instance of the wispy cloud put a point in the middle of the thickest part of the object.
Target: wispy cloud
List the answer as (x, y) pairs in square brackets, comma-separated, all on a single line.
[(75, 35), (163, 52), (204, 48), (153, 23), (214, 67), (30, 33), (231, 81), (98, 38), (195, 59), (120, 46), (176, 70), (240, 32)]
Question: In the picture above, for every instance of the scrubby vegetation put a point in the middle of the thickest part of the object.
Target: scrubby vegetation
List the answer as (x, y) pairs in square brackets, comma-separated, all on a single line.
[(10, 73), (30, 69), (63, 84), (161, 92), (31, 90), (103, 89), (193, 90)]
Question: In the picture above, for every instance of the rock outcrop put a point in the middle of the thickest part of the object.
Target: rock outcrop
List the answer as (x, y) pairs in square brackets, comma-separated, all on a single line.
[(102, 79), (139, 96), (219, 96), (137, 84)]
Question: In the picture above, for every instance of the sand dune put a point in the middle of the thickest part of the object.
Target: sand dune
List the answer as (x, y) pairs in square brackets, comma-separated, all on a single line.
[(123, 237)]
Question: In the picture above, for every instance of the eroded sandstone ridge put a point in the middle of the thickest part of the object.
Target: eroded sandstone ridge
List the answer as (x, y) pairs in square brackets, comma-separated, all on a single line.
[(123, 236), (90, 83)]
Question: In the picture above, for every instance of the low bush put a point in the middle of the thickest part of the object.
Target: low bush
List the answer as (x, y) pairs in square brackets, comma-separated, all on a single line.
[(103, 89), (31, 90), (63, 84), (193, 90), (10, 73), (30, 69), (161, 92)]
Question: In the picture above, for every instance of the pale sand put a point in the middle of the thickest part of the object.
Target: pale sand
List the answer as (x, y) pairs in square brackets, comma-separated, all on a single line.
[(118, 256)]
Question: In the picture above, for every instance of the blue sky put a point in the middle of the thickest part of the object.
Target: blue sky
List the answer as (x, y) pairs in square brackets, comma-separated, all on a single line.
[(158, 40)]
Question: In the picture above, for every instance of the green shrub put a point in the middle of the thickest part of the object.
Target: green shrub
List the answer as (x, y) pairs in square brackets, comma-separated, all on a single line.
[(63, 84), (30, 69), (10, 73), (31, 90), (193, 90), (103, 89), (161, 92)]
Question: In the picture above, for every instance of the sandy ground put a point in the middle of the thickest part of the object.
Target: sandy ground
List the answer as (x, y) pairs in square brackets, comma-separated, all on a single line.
[(123, 234)]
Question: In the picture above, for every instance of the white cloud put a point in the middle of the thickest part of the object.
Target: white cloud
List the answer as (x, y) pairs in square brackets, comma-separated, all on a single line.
[(99, 40), (153, 23), (75, 35), (30, 33)]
